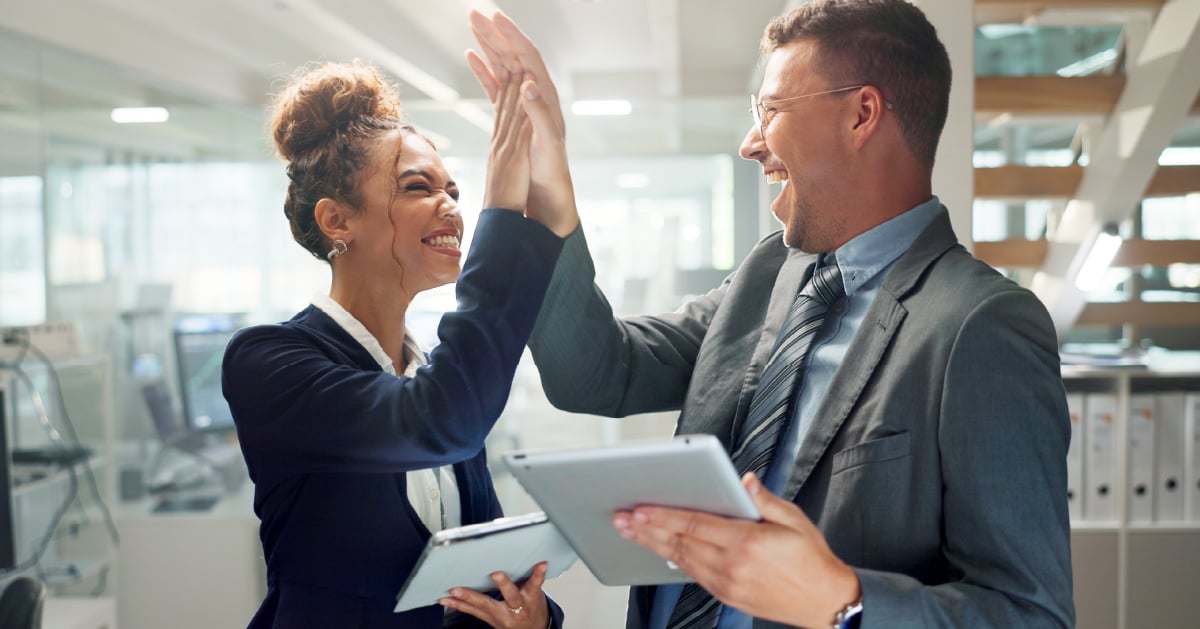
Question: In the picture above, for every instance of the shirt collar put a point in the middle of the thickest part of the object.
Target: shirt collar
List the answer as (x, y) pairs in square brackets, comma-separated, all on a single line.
[(868, 253), (412, 350)]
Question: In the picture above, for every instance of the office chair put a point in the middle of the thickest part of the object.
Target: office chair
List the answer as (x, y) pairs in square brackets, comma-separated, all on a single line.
[(21, 604)]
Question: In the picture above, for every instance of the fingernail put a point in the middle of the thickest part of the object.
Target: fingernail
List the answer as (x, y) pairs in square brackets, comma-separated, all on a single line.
[(642, 518), (627, 533), (621, 521), (531, 93), (456, 593)]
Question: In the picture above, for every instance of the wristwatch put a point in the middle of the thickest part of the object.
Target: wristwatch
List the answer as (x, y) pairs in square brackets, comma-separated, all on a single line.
[(849, 616)]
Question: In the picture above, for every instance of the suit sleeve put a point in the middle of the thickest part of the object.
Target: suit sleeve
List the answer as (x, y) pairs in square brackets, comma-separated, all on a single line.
[(1003, 440), (593, 362), (297, 410)]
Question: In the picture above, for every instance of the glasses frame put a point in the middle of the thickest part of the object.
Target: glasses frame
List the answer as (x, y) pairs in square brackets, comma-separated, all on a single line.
[(758, 108)]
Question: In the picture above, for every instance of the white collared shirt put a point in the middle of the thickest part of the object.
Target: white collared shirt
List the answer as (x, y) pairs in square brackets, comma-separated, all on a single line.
[(432, 492)]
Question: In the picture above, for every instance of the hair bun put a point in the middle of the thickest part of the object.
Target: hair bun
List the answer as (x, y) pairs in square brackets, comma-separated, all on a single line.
[(327, 99)]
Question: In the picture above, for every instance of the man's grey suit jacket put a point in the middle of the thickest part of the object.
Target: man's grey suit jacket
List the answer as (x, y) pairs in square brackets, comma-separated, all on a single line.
[(936, 466)]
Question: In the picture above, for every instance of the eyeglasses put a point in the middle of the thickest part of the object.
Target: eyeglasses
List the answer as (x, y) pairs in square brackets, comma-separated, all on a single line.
[(764, 111)]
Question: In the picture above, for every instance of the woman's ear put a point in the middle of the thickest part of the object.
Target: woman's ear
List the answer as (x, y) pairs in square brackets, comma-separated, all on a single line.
[(333, 219)]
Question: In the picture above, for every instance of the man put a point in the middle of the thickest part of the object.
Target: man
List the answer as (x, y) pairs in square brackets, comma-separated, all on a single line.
[(916, 466)]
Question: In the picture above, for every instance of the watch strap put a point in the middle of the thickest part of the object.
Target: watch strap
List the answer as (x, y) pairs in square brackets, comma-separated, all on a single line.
[(848, 617)]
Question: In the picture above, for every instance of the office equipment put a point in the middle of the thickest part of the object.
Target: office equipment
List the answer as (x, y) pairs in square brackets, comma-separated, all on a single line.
[(1135, 574), (199, 349), (211, 457), (55, 339), (59, 422), (169, 424), (1169, 457), (189, 569), (1075, 491), (1100, 460), (1142, 420), (22, 602), (1191, 428), (52, 455), (467, 555), (582, 489), (8, 554)]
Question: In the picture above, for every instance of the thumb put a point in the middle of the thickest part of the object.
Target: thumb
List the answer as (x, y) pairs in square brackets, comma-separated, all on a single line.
[(773, 508), (538, 110)]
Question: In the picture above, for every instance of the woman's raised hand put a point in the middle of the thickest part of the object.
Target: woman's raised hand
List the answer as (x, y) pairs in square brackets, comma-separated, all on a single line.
[(508, 167), (509, 52)]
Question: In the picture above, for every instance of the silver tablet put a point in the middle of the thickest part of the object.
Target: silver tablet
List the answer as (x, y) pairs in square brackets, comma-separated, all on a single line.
[(581, 489), (465, 557)]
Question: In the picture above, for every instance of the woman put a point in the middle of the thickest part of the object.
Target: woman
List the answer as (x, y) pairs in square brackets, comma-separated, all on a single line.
[(358, 444)]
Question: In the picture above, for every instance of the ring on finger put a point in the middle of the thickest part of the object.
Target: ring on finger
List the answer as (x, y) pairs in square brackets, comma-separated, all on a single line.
[(516, 610)]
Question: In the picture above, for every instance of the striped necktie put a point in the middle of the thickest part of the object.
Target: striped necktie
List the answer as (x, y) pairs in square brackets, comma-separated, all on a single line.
[(770, 410)]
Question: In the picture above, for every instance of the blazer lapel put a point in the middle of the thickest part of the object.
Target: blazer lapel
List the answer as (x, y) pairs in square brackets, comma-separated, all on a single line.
[(879, 326)]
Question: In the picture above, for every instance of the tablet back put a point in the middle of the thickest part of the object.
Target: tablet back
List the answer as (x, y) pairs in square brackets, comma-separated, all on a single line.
[(467, 555), (581, 489)]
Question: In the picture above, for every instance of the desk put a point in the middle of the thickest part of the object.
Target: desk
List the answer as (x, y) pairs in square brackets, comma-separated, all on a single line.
[(79, 613), (192, 569)]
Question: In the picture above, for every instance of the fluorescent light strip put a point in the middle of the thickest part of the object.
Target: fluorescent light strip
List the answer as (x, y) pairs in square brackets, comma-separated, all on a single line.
[(1104, 249), (1089, 65), (614, 107), (125, 115), (633, 181)]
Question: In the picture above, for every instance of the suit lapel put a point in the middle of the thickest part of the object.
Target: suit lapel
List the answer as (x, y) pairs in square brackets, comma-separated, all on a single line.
[(879, 327)]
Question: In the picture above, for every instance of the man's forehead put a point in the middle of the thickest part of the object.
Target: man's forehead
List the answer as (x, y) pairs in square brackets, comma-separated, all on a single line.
[(788, 65)]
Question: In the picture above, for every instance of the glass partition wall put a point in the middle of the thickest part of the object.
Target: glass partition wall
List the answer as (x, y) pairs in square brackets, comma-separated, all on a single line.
[(127, 229)]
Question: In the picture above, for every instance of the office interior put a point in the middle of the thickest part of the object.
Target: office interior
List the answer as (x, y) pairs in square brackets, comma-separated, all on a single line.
[(130, 248)]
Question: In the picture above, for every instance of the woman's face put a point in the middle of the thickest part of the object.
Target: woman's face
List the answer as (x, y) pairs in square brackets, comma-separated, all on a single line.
[(409, 227)]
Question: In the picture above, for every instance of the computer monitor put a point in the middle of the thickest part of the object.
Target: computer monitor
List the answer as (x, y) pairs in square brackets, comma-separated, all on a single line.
[(199, 347)]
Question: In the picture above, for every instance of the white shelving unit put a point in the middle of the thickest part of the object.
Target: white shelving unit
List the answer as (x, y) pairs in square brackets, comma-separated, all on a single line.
[(77, 553), (1131, 574)]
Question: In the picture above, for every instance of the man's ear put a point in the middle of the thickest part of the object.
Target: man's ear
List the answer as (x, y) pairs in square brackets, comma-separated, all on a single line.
[(333, 219), (870, 109)]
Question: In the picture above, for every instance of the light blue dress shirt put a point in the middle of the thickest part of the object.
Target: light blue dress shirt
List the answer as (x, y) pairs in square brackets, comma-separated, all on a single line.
[(864, 262)]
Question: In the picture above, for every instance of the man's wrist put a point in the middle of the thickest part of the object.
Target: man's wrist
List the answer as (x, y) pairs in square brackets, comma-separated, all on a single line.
[(850, 600)]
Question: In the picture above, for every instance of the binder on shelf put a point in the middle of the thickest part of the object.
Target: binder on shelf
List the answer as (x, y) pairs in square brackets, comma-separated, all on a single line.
[(1100, 460), (1191, 427), (1075, 491), (1141, 457), (1168, 457)]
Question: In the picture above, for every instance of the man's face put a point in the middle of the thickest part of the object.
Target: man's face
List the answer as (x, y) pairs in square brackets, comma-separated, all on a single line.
[(804, 143)]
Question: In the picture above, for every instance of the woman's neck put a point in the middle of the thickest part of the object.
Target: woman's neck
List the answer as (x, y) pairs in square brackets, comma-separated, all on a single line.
[(381, 312)]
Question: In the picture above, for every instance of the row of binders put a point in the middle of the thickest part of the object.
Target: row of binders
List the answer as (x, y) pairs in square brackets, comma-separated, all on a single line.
[(1162, 457)]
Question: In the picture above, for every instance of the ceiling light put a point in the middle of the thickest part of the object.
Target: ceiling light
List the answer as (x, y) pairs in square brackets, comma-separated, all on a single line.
[(633, 181), (614, 107), (140, 114)]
